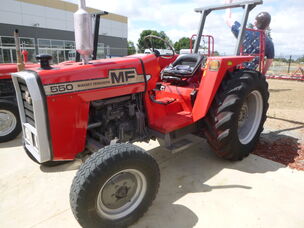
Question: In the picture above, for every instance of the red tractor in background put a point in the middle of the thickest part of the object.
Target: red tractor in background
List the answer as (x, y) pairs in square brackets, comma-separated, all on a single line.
[(10, 125), (98, 108)]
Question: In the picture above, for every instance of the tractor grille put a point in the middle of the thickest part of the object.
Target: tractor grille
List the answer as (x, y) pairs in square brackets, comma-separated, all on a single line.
[(27, 103), (33, 115)]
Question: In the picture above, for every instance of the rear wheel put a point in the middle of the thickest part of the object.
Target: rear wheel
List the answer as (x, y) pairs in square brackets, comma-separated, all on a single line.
[(237, 114), (114, 187), (10, 125)]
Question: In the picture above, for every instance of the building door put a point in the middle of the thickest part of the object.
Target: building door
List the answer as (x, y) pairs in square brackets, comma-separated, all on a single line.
[(9, 55), (58, 56)]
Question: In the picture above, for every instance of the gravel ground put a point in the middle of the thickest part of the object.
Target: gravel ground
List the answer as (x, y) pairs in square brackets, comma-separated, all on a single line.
[(284, 138)]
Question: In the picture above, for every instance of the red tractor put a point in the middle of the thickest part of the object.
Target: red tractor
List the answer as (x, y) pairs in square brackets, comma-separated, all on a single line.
[(10, 125), (98, 108)]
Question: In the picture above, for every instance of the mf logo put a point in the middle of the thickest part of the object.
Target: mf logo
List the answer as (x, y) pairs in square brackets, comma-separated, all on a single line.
[(122, 76)]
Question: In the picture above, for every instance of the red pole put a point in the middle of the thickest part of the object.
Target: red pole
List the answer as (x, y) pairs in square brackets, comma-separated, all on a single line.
[(210, 41)]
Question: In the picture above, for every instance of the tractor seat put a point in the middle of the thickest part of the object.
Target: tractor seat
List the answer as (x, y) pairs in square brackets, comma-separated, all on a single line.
[(185, 66)]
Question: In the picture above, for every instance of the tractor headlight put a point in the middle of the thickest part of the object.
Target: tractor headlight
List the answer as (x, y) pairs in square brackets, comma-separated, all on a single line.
[(214, 65)]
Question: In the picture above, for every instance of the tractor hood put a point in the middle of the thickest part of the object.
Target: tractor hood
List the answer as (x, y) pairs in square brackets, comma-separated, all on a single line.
[(73, 77), (7, 69)]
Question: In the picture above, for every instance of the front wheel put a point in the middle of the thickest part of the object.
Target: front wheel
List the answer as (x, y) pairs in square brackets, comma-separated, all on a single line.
[(237, 114), (10, 125), (114, 187)]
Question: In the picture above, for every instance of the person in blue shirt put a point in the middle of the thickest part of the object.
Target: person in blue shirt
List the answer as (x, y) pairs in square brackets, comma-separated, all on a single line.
[(251, 43)]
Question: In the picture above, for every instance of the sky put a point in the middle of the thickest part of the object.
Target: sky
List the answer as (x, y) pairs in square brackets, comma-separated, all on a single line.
[(178, 19)]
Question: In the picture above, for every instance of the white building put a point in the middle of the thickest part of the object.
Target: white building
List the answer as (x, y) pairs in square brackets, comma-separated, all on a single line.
[(46, 26)]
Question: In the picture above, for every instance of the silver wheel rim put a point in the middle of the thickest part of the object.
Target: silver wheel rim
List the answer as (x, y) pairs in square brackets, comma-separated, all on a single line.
[(8, 122), (121, 194), (250, 117)]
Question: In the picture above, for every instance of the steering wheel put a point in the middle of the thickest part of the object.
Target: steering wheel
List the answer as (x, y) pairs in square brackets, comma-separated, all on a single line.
[(156, 52)]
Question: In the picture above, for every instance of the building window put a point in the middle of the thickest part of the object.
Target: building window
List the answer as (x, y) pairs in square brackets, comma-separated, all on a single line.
[(57, 44), (8, 41), (69, 45), (27, 42), (100, 51), (60, 50), (43, 43), (8, 49), (108, 51)]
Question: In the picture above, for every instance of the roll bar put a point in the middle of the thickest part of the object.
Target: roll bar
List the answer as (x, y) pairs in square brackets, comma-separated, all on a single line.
[(247, 6), (96, 31)]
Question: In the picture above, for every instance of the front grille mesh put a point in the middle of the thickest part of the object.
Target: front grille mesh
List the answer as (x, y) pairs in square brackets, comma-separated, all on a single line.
[(28, 106)]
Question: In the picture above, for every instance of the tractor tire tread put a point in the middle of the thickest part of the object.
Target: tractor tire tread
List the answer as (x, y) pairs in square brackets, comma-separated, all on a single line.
[(220, 121)]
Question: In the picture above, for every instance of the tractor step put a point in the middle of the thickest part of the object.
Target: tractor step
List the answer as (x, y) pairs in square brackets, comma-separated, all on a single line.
[(180, 145)]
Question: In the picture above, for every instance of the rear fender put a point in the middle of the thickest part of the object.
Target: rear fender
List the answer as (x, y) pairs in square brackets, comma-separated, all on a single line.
[(211, 81), (6, 69)]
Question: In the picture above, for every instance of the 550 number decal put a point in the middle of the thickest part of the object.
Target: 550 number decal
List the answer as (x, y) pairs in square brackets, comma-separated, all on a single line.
[(61, 88)]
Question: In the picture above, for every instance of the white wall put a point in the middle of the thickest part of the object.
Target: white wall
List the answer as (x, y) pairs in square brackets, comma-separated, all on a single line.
[(20, 13)]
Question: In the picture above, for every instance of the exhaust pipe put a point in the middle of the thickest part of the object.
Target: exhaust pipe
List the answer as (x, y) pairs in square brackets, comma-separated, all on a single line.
[(83, 32), (20, 64)]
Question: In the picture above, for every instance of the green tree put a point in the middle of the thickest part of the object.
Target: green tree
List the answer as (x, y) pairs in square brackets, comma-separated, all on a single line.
[(182, 43), (165, 37), (143, 44), (216, 53), (131, 48), (281, 59), (301, 59)]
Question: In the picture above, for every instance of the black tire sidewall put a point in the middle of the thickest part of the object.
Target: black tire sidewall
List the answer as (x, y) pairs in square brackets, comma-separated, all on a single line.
[(124, 165), (13, 108)]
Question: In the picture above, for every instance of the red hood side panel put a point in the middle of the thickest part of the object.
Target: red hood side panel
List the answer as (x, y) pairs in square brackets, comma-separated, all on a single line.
[(68, 119)]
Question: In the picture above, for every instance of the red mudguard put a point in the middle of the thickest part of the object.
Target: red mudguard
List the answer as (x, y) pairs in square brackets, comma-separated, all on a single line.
[(211, 81)]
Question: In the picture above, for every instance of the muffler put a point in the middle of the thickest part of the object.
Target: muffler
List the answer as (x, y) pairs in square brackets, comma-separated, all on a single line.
[(83, 32)]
